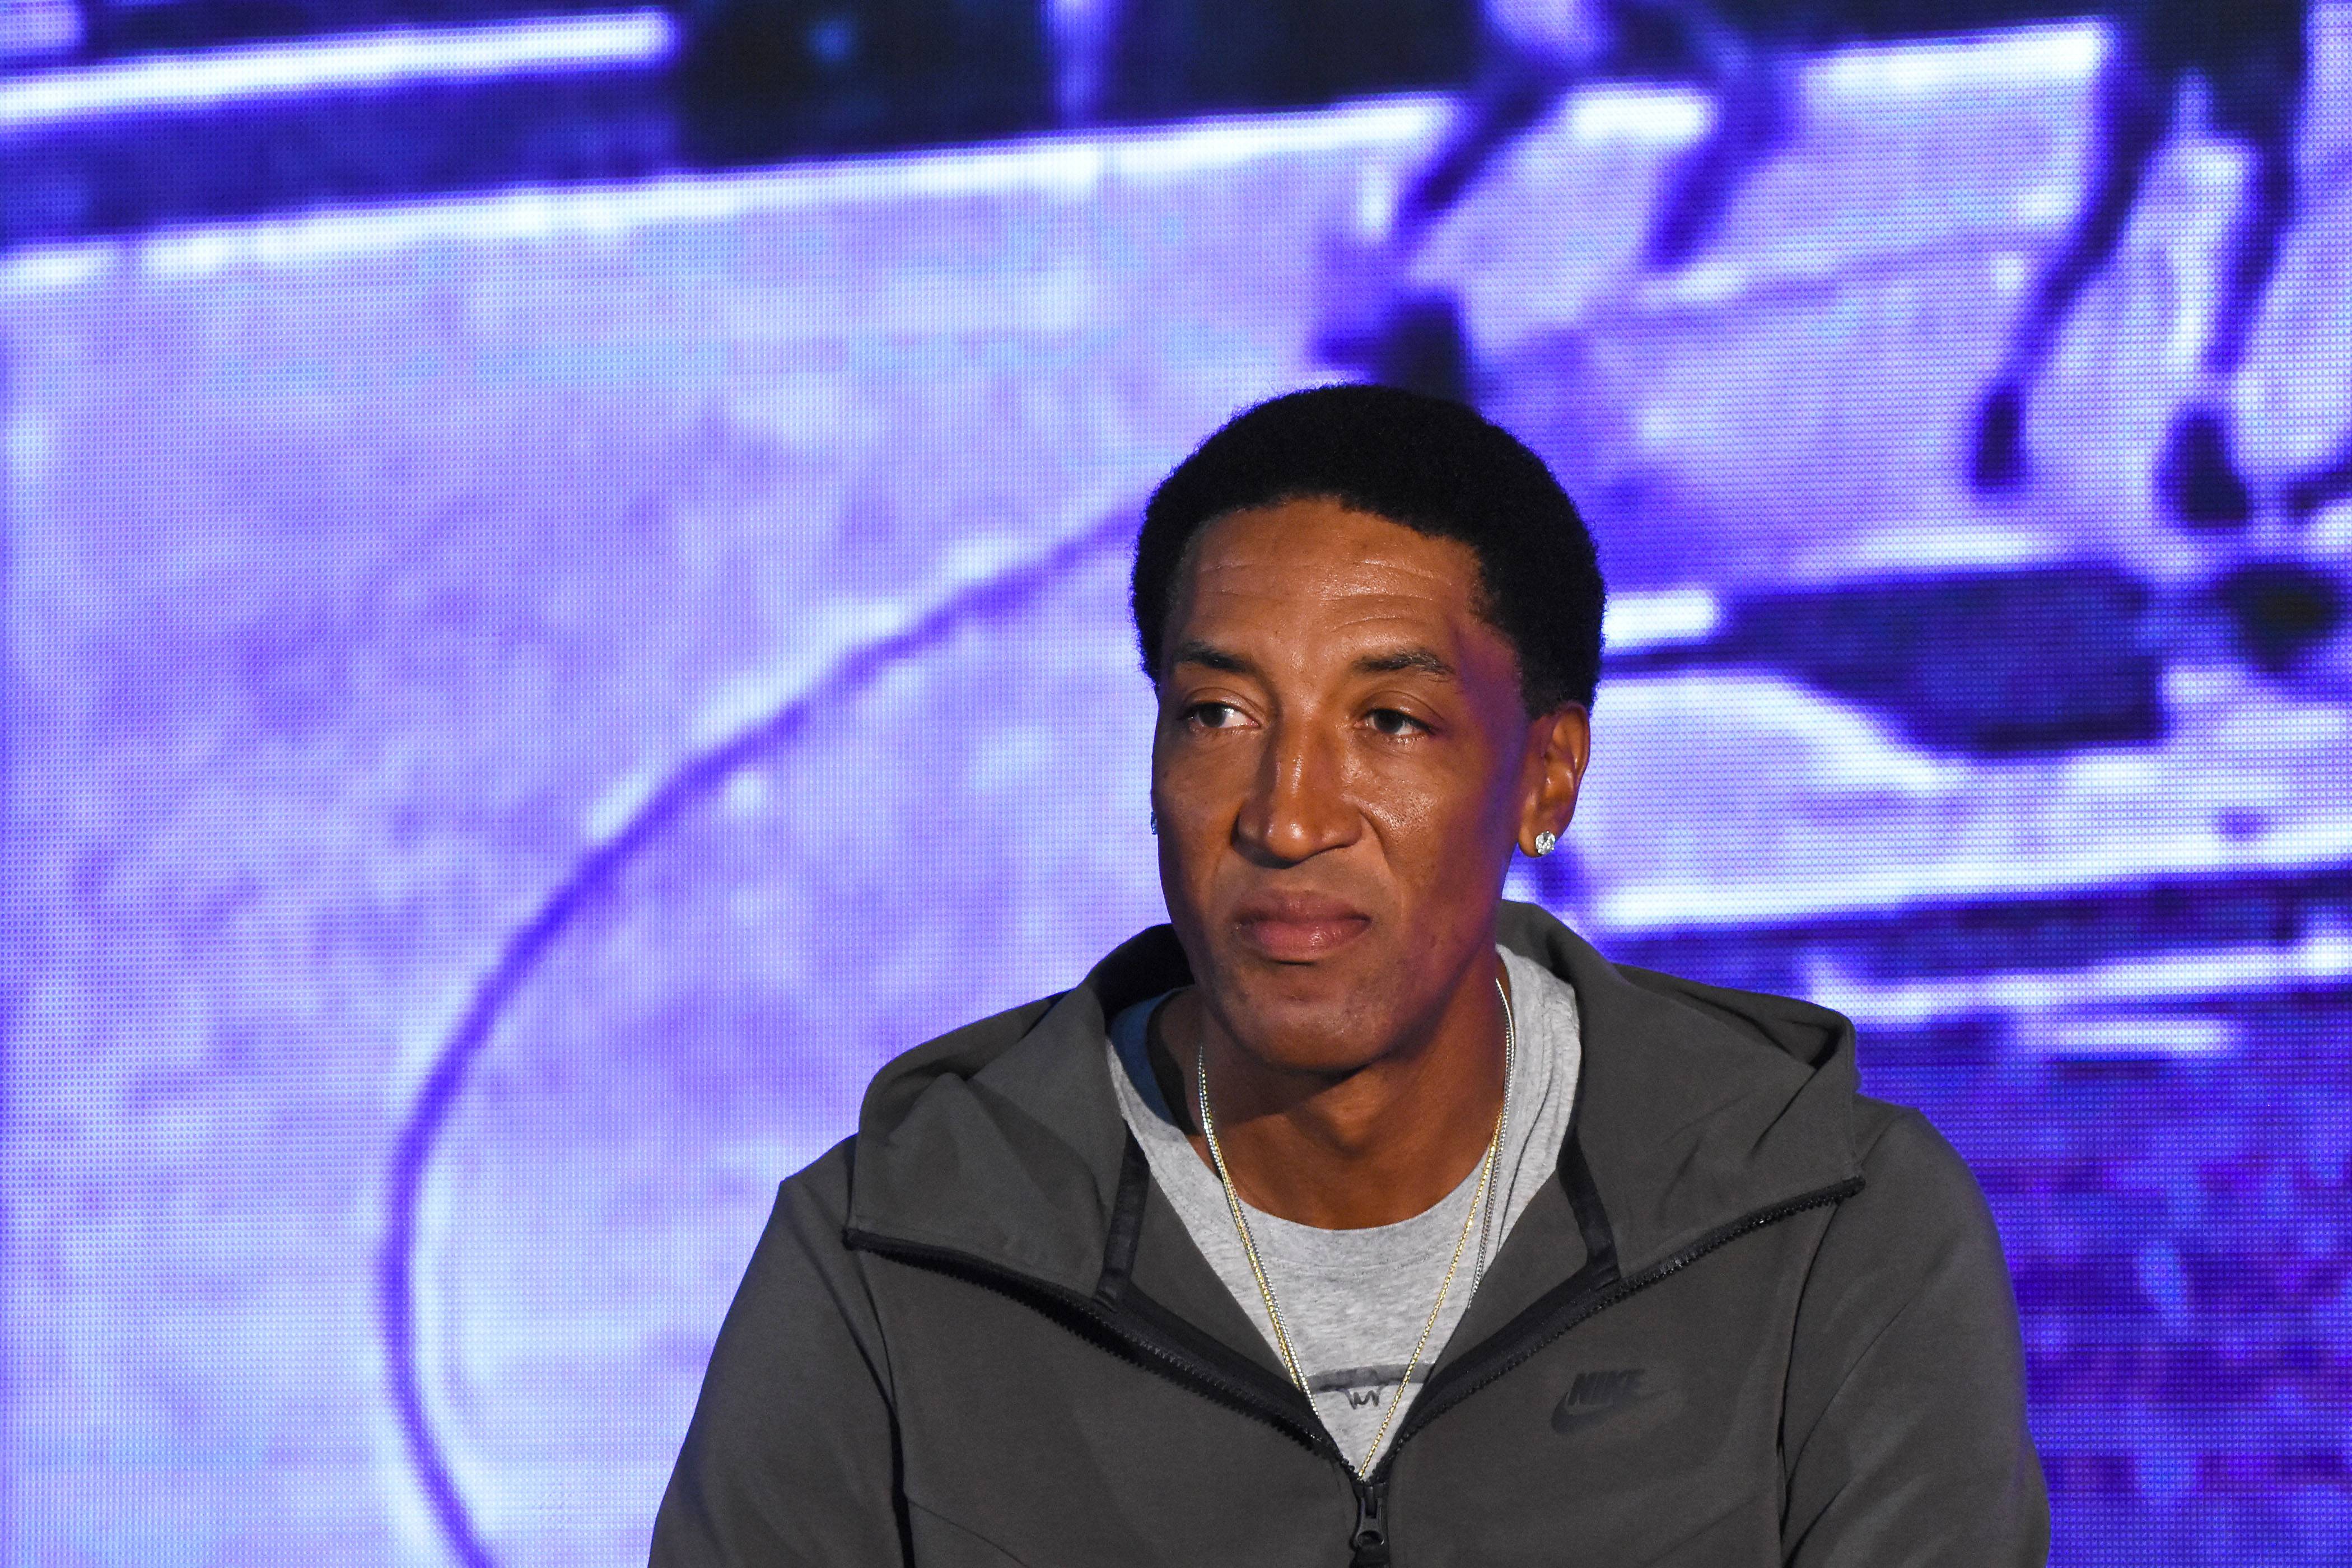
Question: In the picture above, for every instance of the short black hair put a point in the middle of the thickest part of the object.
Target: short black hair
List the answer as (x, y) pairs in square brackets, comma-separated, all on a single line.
[(1430, 464)]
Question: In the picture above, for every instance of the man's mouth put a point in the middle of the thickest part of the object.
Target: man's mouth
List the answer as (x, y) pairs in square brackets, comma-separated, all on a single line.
[(1299, 928)]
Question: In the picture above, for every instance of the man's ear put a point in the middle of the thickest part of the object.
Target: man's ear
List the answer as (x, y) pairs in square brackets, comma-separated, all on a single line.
[(1560, 744)]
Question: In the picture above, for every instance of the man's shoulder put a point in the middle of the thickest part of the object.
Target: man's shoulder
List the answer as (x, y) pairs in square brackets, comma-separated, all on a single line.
[(961, 1053), (1675, 1013), (1024, 1048), (1913, 1167), (1805, 1031), (969, 1046), (1908, 1165), (1896, 1145)]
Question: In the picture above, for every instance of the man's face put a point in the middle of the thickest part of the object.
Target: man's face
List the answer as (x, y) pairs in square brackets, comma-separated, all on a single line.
[(1342, 767)]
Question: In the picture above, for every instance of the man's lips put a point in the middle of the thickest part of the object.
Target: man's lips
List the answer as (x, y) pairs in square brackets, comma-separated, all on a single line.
[(1297, 927)]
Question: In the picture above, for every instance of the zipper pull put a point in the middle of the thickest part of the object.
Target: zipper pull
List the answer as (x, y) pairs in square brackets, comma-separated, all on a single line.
[(1371, 1541)]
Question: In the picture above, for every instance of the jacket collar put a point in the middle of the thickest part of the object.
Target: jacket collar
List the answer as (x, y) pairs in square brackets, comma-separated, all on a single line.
[(1000, 1145), (1695, 1106)]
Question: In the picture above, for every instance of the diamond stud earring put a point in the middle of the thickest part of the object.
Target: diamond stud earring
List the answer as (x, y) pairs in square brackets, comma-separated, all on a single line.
[(1544, 842)]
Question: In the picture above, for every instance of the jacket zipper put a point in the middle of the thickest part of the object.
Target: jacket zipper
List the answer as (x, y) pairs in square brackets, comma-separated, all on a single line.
[(1608, 1296), (1191, 1368), (1369, 1541)]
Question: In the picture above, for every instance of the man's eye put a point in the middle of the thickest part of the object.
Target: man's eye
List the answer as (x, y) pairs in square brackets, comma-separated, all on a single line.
[(1212, 715), (1390, 722)]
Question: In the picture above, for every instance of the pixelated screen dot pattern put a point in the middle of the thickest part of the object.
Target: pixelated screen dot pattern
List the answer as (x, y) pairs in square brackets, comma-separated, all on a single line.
[(519, 699)]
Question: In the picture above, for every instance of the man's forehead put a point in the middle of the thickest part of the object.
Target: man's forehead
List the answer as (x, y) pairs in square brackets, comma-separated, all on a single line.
[(1361, 617), (1287, 593), (1319, 552), (1380, 656)]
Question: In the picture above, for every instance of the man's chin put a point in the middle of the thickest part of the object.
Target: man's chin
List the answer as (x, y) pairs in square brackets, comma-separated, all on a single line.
[(1314, 1007)]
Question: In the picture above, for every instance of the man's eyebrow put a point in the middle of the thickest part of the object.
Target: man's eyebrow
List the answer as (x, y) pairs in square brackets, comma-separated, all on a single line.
[(1214, 657), (1426, 660)]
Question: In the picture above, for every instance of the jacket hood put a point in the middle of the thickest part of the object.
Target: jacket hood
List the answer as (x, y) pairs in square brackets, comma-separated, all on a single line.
[(1001, 1143)]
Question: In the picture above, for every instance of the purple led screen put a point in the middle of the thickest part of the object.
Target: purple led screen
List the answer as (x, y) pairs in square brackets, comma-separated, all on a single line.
[(518, 697)]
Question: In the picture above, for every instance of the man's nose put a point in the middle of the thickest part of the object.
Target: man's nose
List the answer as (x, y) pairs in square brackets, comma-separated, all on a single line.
[(1297, 806)]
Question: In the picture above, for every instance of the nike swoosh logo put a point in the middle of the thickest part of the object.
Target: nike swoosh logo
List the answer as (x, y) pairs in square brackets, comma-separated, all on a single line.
[(1598, 1397), (1567, 1417)]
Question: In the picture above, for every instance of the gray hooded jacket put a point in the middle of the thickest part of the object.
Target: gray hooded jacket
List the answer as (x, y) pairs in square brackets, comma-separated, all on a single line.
[(1758, 1319)]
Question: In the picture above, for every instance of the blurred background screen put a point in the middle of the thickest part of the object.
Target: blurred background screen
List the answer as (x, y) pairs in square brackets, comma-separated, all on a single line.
[(564, 583)]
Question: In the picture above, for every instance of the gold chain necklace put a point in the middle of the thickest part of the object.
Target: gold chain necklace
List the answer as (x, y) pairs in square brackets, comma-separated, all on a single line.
[(1478, 1205)]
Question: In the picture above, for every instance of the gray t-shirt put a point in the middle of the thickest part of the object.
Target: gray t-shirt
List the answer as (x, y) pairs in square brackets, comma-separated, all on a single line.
[(1355, 1300)]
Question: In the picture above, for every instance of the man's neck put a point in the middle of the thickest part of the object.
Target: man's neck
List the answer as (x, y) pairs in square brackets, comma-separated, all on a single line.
[(1378, 1146)]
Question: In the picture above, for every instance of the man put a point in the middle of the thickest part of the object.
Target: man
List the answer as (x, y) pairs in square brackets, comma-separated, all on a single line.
[(1356, 1213)]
